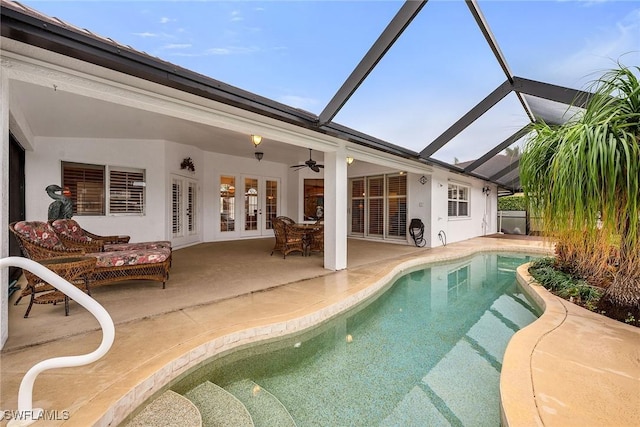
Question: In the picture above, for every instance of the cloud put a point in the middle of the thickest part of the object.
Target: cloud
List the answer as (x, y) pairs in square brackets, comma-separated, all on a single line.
[(231, 50), (177, 46), (601, 52), (146, 34), (236, 16), (165, 20), (218, 51)]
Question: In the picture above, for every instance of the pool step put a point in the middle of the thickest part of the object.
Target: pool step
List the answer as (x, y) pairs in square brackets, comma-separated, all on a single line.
[(218, 407), (168, 410), (265, 409)]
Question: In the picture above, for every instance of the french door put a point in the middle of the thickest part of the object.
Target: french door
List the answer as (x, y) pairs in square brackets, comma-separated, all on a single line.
[(378, 206), (259, 205), (184, 210)]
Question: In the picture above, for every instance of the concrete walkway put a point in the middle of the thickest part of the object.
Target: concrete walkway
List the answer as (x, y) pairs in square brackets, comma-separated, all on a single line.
[(164, 339)]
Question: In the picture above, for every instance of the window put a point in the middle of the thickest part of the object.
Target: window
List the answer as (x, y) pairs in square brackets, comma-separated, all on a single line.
[(271, 204), (458, 201), (126, 191), (357, 206), (227, 203), (397, 205), (313, 199), (458, 283), (375, 196), (379, 206), (85, 185)]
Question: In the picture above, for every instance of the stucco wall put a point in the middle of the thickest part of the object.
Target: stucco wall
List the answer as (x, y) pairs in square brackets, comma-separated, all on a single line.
[(160, 160), (43, 167), (482, 209)]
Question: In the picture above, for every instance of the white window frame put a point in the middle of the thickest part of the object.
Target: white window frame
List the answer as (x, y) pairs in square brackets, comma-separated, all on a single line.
[(133, 193), (130, 192), (457, 201)]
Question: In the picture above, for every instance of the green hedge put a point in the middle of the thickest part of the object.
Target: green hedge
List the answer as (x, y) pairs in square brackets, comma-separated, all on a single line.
[(512, 203)]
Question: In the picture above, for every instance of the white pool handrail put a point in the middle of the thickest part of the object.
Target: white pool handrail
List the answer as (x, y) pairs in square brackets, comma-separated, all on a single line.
[(26, 414)]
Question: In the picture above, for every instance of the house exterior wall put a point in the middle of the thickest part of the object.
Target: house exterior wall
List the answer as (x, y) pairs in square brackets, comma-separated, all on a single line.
[(43, 167), (160, 160), (482, 209)]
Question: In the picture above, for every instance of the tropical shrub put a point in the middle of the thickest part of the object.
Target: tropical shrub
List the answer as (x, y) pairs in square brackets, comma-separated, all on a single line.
[(583, 179), (512, 203)]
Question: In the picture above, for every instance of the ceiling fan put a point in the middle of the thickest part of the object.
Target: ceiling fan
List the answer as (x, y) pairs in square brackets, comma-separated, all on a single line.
[(311, 164)]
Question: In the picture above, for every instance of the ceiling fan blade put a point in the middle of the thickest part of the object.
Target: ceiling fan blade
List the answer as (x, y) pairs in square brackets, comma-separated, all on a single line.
[(320, 166), (298, 167), (315, 168)]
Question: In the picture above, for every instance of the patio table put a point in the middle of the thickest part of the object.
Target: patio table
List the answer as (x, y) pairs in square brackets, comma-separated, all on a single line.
[(308, 230), (73, 269)]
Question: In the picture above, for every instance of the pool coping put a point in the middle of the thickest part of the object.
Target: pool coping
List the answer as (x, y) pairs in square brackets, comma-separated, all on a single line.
[(593, 379)]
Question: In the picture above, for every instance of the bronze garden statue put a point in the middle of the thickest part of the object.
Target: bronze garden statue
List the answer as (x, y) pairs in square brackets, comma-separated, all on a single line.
[(62, 208)]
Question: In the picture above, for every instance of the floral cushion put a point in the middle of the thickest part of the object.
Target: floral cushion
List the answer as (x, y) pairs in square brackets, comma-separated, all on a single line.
[(39, 232), (134, 257), (70, 228), (160, 244)]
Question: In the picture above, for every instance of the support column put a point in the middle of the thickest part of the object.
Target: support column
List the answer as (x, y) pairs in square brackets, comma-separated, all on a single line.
[(4, 208), (335, 209)]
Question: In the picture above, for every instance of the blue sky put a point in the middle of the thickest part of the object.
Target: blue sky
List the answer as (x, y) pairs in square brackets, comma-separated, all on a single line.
[(300, 52)]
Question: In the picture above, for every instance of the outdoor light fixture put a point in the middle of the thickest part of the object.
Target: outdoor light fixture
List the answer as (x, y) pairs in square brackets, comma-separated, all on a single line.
[(256, 139), (349, 160), (423, 180), (259, 155), (486, 190)]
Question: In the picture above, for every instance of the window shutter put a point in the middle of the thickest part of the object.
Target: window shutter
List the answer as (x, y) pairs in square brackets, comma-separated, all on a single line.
[(126, 192), (376, 205), (451, 208), (176, 208), (357, 206), (397, 206), (84, 185)]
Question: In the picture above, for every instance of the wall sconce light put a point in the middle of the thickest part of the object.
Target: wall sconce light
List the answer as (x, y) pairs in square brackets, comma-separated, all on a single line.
[(423, 180), (486, 190), (256, 139), (349, 160), (259, 155)]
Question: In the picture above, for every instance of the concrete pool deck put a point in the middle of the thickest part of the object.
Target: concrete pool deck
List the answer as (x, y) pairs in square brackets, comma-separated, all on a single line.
[(155, 347)]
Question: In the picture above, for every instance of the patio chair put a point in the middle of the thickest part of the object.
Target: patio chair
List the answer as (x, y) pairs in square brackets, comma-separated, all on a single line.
[(286, 220), (39, 241), (316, 238), (288, 239), (74, 236)]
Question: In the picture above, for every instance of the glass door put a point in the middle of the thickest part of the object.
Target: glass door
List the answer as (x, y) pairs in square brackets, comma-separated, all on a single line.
[(260, 205), (356, 225), (184, 210)]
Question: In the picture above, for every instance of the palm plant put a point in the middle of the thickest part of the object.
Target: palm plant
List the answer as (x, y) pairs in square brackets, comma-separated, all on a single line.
[(583, 178)]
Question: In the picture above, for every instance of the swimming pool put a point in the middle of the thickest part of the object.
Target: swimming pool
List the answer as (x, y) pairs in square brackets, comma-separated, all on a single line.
[(427, 351)]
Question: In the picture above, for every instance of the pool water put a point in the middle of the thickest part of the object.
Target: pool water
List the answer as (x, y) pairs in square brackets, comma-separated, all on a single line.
[(426, 352)]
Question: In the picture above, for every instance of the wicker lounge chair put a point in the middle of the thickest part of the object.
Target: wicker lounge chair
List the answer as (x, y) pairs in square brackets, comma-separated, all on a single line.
[(288, 239), (74, 236), (39, 241)]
